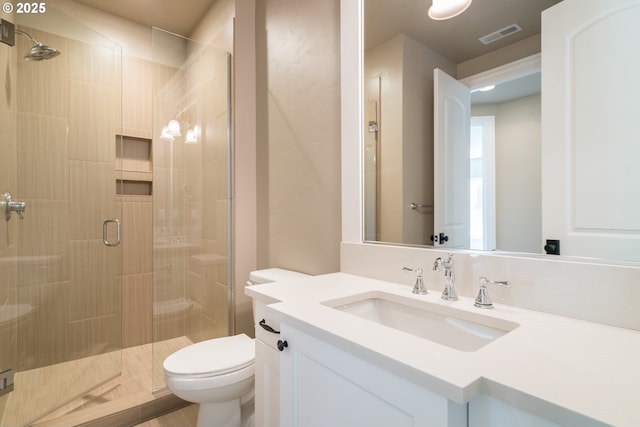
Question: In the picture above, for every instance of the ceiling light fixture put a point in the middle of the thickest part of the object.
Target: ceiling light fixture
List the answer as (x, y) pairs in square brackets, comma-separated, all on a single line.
[(165, 136), (484, 89), (173, 128), (445, 9), (191, 137)]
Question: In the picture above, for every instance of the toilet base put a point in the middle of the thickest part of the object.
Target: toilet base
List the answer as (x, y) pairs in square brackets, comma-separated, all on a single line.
[(219, 414)]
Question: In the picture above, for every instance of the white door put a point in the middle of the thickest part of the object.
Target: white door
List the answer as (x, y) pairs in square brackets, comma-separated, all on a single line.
[(590, 143), (452, 113)]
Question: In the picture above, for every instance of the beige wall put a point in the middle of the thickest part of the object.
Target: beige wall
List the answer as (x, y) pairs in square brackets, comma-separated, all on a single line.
[(245, 201), (299, 135), (386, 61), (406, 133), (417, 146), (518, 188)]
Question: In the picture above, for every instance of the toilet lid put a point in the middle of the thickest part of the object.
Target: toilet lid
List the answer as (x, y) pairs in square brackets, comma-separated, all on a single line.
[(216, 356)]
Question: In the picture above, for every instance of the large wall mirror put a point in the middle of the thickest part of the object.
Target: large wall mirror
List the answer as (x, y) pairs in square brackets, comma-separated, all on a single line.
[(501, 185), (501, 200)]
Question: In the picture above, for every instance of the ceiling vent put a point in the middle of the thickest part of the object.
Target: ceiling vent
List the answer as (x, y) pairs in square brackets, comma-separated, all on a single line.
[(500, 34)]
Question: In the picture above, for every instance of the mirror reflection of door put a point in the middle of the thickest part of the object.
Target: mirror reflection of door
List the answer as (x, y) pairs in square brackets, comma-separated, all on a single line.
[(590, 149), (452, 112)]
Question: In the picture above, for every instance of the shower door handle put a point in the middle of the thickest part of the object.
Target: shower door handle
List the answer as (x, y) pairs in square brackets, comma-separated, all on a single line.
[(105, 229)]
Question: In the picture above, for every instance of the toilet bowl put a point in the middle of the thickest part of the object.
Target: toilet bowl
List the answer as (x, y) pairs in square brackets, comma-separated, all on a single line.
[(218, 374)]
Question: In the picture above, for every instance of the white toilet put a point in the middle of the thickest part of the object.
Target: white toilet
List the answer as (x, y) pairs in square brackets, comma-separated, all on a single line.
[(219, 373)]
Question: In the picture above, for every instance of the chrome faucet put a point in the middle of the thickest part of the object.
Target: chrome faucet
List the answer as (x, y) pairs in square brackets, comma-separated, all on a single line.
[(418, 288), (449, 292)]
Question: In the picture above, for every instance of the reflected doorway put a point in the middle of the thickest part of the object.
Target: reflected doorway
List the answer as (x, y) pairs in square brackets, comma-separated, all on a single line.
[(482, 206)]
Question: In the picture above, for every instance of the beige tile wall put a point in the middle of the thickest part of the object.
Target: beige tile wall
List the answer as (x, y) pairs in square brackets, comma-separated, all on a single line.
[(170, 245), (137, 238), (191, 200), (210, 265), (67, 110), (172, 250), (137, 86), (68, 116)]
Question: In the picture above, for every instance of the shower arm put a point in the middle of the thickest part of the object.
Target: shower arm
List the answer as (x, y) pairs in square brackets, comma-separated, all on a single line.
[(34, 41)]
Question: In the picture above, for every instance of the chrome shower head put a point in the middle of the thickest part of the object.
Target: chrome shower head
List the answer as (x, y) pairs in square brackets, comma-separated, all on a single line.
[(39, 52)]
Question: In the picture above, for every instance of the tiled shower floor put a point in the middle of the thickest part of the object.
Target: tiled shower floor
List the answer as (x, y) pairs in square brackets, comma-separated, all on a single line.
[(122, 401)]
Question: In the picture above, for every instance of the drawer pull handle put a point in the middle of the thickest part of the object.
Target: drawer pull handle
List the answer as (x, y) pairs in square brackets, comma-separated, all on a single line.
[(268, 328)]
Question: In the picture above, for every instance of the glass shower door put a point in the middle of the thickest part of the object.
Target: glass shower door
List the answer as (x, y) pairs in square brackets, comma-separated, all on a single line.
[(192, 286), (61, 258)]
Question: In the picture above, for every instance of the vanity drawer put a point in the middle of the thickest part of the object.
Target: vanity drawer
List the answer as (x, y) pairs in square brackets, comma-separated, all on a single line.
[(266, 325)]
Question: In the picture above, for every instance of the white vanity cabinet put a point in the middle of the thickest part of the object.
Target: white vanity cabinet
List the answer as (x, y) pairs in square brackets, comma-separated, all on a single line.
[(322, 385), (487, 411), (267, 370)]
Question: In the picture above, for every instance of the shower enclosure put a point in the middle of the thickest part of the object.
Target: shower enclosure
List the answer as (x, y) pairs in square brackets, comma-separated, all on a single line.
[(191, 195), (123, 241)]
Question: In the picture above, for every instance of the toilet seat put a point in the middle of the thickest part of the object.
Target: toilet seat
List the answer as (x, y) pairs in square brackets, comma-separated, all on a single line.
[(211, 358)]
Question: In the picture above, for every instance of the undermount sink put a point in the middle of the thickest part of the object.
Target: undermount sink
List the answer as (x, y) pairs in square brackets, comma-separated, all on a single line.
[(455, 328)]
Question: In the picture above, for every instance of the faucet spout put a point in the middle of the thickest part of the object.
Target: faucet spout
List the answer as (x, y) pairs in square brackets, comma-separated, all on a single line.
[(449, 291)]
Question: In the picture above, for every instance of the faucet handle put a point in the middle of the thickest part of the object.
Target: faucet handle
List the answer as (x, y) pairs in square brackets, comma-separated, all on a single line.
[(418, 288), (483, 300)]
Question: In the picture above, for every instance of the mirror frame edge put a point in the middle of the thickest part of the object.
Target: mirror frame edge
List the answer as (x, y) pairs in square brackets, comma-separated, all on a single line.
[(351, 102), (504, 73)]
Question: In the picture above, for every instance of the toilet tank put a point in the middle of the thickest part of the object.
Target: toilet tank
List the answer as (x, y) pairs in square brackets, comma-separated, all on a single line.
[(273, 275), (269, 275)]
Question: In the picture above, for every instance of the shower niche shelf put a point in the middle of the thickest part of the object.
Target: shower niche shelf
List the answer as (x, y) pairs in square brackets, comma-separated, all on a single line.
[(134, 166)]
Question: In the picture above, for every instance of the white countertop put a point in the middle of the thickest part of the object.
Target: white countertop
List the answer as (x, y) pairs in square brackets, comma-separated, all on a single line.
[(570, 371)]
